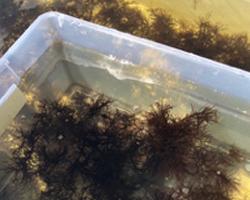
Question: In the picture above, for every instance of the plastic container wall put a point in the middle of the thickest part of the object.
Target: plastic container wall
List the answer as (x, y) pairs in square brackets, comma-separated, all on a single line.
[(60, 35)]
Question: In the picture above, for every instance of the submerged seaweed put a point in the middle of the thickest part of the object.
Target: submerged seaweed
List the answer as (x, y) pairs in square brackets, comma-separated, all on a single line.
[(204, 38), (92, 149)]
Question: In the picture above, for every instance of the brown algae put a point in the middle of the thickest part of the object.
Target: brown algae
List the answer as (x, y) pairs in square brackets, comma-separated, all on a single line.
[(86, 147)]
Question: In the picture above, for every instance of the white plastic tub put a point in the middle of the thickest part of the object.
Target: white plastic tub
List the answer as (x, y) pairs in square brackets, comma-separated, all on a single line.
[(58, 51)]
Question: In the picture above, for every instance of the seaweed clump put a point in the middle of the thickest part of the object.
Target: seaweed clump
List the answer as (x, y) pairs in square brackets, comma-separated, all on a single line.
[(92, 149), (183, 156)]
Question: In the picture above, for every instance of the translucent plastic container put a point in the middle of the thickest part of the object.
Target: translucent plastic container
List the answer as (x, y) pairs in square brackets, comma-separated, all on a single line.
[(58, 51)]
